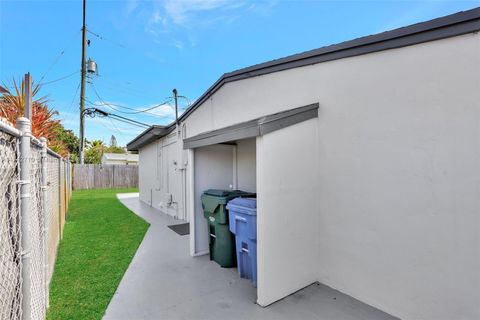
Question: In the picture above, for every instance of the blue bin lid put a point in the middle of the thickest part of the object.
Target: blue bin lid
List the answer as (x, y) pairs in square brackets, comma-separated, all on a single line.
[(250, 203)]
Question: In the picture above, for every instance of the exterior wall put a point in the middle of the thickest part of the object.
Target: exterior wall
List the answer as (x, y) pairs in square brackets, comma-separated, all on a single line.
[(113, 161), (147, 172), (120, 162), (213, 170), (287, 219), (398, 191), (246, 165), (162, 174)]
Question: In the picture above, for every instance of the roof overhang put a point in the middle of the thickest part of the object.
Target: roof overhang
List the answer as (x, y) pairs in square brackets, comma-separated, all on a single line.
[(253, 128), (148, 136)]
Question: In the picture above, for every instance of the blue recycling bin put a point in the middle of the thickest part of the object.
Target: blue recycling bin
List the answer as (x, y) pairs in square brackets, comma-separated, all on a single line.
[(243, 224)]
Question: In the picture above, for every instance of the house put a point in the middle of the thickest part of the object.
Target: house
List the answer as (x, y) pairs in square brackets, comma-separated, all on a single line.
[(120, 158), (365, 159)]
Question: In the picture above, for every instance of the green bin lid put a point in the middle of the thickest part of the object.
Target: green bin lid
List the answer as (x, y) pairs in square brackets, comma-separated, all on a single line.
[(225, 193), (217, 192)]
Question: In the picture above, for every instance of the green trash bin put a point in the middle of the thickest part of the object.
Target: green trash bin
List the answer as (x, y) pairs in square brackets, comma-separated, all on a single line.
[(221, 240)]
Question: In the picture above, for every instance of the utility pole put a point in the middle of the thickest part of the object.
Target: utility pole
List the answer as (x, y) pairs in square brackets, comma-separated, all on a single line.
[(175, 97), (82, 84)]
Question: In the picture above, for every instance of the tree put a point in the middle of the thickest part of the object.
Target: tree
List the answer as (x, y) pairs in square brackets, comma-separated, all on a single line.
[(12, 107), (113, 141), (114, 148), (69, 140), (94, 151)]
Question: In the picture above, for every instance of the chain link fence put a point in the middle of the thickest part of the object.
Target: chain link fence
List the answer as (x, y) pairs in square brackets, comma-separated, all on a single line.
[(53, 210), (10, 232), (34, 175)]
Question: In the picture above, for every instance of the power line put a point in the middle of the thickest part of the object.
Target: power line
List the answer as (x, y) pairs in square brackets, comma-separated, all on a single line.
[(69, 114), (92, 112), (189, 103), (124, 89), (74, 95), (124, 84), (105, 39), (134, 111), (113, 107), (117, 130), (59, 79), (55, 61), (165, 103)]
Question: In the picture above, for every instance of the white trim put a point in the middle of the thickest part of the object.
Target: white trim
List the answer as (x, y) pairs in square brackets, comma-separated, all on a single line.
[(235, 171), (190, 210), (201, 253)]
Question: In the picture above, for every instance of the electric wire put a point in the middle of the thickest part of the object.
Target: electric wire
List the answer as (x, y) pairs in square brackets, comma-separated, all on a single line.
[(59, 56), (74, 96), (69, 113), (134, 111), (124, 90), (105, 39), (118, 130), (60, 79), (114, 106), (102, 113)]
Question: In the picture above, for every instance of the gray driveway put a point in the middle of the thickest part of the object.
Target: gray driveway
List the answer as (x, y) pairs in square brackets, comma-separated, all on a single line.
[(164, 282)]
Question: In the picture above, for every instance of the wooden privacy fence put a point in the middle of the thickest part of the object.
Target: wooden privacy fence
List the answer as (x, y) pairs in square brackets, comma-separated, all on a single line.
[(102, 176)]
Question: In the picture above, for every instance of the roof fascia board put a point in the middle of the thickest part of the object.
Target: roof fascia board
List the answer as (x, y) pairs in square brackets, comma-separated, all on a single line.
[(289, 118), (147, 136), (253, 128)]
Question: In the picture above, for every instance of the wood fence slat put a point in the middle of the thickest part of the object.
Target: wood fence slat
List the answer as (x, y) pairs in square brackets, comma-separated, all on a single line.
[(97, 176)]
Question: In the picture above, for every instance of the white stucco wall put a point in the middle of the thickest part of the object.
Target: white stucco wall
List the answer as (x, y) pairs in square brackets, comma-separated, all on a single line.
[(246, 165), (161, 173), (147, 172), (213, 170), (287, 217), (398, 189)]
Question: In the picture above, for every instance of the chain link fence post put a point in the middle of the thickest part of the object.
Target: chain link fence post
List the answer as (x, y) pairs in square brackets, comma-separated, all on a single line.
[(45, 213), (24, 126)]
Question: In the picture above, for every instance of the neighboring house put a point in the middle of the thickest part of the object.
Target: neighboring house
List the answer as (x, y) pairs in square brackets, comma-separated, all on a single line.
[(365, 159), (120, 158)]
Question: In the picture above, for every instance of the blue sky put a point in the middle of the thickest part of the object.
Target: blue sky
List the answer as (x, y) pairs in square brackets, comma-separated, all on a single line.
[(146, 48)]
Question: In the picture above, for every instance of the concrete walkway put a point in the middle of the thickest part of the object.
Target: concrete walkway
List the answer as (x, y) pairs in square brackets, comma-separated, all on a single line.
[(164, 282)]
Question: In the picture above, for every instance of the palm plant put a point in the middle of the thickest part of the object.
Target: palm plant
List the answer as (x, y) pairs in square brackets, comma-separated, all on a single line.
[(12, 106)]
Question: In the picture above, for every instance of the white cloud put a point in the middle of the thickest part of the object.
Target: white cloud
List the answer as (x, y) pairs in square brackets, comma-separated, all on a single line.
[(164, 111), (180, 11), (168, 16), (131, 6), (178, 44)]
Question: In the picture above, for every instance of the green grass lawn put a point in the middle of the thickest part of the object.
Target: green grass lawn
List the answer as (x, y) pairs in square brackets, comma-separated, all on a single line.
[(99, 241)]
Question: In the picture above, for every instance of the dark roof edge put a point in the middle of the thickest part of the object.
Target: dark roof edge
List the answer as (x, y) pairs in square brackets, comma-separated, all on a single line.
[(253, 128), (440, 28), (147, 136)]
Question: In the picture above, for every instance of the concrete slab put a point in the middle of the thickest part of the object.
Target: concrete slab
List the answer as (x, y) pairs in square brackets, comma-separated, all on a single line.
[(164, 282)]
